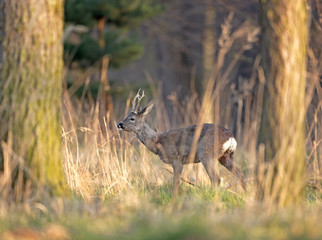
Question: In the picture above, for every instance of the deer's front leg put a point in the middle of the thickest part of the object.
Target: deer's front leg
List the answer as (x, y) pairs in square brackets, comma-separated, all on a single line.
[(177, 170)]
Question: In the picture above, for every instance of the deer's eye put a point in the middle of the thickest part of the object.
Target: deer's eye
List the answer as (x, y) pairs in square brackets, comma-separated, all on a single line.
[(132, 119)]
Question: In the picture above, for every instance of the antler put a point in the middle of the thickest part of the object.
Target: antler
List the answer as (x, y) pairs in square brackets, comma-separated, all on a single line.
[(136, 101)]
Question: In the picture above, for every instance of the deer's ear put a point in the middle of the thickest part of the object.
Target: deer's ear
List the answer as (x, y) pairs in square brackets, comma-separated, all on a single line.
[(146, 110)]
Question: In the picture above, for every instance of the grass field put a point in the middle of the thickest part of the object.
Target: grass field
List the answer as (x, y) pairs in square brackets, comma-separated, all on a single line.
[(122, 191), (151, 214)]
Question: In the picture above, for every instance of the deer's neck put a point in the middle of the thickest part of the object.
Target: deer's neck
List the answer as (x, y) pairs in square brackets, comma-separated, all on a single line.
[(148, 137)]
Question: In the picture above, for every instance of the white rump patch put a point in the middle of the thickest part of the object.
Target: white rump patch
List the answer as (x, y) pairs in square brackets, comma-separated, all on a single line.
[(230, 144)]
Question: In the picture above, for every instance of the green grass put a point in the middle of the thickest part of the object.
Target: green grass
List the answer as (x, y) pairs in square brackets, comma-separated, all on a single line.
[(161, 195), (313, 196), (197, 213)]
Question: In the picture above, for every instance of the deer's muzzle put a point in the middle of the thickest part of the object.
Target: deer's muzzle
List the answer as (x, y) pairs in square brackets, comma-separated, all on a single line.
[(120, 126)]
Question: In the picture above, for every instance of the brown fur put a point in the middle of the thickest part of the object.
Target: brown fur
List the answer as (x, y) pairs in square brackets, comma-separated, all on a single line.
[(174, 146)]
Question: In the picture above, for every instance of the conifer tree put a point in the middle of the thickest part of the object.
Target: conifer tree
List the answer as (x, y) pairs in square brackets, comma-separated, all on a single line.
[(109, 23)]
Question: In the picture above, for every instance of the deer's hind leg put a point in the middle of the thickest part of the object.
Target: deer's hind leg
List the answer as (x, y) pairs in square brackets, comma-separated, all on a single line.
[(227, 160), (209, 164), (177, 170)]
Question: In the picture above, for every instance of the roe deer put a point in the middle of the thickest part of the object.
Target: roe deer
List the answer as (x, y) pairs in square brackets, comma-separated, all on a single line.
[(174, 146)]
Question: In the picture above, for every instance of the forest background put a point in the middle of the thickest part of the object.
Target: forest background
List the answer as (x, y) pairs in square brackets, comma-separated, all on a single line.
[(69, 71)]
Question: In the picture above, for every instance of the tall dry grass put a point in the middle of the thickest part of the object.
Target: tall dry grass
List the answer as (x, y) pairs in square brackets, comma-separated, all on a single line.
[(101, 161)]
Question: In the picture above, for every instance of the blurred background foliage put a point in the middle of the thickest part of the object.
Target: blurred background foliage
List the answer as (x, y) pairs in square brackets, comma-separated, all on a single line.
[(170, 45), (107, 26), (119, 13)]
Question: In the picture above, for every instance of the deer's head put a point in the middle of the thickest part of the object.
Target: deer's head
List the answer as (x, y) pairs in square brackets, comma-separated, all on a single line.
[(134, 121)]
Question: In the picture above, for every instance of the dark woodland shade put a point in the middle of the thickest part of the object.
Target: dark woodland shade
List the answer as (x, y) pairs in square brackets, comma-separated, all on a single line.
[(120, 17), (119, 49), (125, 13)]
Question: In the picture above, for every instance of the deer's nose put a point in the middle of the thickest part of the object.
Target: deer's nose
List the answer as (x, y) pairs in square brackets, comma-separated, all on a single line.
[(120, 125)]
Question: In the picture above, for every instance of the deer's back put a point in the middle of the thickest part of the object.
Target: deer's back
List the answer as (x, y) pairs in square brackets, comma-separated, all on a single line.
[(179, 141)]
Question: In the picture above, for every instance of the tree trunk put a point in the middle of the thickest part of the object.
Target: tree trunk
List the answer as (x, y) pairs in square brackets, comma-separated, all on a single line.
[(31, 87), (209, 41), (209, 51), (284, 46), (106, 108)]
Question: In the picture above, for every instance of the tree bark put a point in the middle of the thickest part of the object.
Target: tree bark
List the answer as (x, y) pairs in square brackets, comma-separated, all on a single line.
[(106, 107), (284, 46), (209, 41), (31, 58), (208, 52)]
